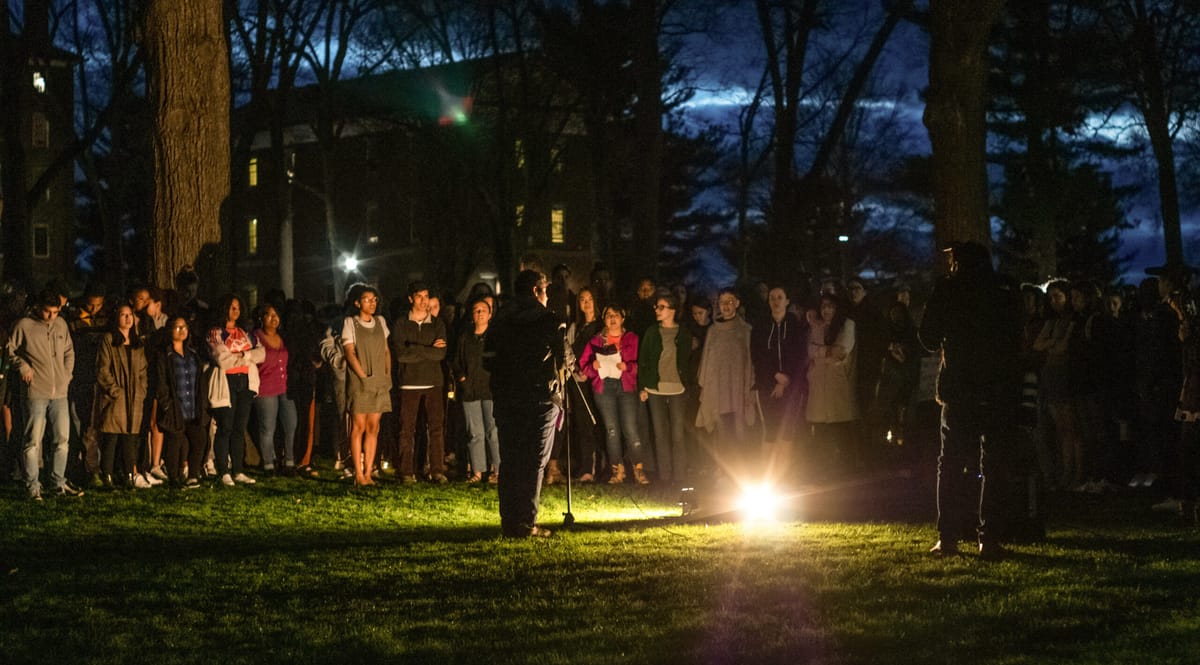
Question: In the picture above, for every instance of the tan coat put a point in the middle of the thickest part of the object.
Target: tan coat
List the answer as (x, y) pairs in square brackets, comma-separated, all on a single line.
[(831, 396), (123, 383)]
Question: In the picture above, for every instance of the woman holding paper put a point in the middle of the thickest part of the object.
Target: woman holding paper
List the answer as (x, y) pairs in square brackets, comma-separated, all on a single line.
[(610, 361)]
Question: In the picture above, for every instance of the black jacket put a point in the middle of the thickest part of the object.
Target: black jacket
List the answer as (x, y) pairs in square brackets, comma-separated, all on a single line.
[(974, 318), (523, 351), (170, 413), (472, 382), (778, 348)]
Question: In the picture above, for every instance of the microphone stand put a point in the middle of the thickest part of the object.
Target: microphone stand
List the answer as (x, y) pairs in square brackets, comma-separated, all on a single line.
[(563, 376)]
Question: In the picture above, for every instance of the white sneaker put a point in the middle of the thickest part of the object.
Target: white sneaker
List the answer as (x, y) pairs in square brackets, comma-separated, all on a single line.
[(1168, 506), (1137, 479), (244, 479), (151, 480), (1148, 481), (227, 480), (157, 472), (140, 482)]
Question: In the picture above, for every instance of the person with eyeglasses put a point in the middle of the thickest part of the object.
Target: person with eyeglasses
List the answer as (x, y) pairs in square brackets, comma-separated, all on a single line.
[(368, 380), (664, 370)]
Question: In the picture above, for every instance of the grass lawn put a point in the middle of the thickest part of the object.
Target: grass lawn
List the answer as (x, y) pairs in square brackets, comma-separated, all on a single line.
[(315, 572)]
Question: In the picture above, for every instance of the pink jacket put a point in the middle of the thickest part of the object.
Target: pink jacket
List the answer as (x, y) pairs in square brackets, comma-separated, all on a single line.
[(629, 355)]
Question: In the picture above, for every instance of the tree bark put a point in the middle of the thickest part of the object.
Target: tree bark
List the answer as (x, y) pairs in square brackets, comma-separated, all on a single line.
[(954, 117), (649, 131), (14, 220), (188, 80)]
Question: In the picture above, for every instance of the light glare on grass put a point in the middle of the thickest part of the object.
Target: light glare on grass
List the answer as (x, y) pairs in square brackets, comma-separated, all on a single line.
[(759, 503)]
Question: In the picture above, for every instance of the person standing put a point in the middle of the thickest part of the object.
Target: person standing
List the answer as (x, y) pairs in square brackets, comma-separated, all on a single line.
[(180, 395), (123, 378), (725, 377), (778, 346), (664, 370), (523, 353), (419, 346), (610, 360), (272, 405), (473, 386), (368, 380), (832, 405), (231, 388), (41, 351), (974, 319), (88, 330)]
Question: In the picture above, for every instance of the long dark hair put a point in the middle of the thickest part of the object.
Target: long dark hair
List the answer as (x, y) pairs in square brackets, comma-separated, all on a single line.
[(135, 337), (839, 316), (223, 306)]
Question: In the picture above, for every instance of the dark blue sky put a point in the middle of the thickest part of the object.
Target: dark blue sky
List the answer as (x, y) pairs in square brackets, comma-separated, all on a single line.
[(728, 63)]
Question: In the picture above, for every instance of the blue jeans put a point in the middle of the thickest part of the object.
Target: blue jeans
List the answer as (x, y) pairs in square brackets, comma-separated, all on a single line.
[(667, 414), (619, 409), (37, 413), (276, 409), (481, 427)]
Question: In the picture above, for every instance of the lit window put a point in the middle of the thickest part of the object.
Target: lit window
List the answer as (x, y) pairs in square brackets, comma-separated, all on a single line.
[(519, 153), (252, 237), (558, 232), (39, 82), (252, 174), (41, 130), (41, 241), (519, 215)]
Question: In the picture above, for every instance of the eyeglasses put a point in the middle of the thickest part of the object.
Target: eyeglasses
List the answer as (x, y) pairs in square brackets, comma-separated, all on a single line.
[(662, 307)]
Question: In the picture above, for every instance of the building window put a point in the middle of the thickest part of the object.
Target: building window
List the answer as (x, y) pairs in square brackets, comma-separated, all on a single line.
[(39, 82), (41, 131), (41, 241), (558, 231), (556, 160), (252, 172), (252, 237), (519, 215), (519, 153)]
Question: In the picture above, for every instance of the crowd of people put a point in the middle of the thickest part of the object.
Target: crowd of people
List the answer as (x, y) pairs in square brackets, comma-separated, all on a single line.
[(666, 387)]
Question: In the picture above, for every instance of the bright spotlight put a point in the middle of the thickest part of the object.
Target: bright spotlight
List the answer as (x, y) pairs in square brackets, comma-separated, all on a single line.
[(843, 238), (759, 503), (349, 263)]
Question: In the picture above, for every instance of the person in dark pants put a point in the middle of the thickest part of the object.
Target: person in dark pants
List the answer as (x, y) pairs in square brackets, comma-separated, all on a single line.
[(973, 318), (523, 353)]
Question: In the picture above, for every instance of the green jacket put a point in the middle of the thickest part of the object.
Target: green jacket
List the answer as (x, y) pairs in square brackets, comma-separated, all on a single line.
[(651, 348)]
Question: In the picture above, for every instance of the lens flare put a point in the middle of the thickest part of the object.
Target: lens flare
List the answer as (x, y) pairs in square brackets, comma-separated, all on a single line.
[(759, 503)]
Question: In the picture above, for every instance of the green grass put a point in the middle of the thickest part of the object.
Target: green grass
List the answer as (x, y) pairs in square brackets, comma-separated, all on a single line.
[(314, 572)]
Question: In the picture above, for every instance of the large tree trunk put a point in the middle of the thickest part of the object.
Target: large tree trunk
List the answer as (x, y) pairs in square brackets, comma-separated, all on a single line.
[(954, 117), (14, 220), (649, 119), (188, 79)]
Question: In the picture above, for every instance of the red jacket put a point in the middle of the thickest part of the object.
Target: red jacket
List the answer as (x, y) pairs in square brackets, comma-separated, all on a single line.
[(629, 355)]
